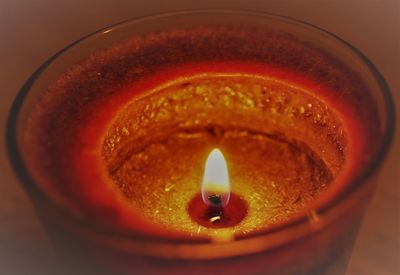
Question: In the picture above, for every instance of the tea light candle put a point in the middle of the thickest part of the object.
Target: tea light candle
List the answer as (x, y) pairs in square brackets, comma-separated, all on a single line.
[(203, 143)]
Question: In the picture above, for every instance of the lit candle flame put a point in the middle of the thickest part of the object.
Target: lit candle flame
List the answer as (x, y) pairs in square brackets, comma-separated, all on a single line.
[(215, 190)]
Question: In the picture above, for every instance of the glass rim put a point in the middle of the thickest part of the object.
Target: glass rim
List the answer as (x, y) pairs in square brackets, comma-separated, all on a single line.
[(19, 167)]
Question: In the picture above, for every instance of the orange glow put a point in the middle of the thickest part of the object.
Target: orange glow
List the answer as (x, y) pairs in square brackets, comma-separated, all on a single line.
[(215, 189)]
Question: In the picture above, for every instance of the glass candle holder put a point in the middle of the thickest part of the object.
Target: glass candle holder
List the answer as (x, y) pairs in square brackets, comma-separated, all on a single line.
[(107, 127)]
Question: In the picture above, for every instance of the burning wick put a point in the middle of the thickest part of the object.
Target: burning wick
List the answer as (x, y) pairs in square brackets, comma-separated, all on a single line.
[(216, 189), (215, 210), (215, 200), (216, 207)]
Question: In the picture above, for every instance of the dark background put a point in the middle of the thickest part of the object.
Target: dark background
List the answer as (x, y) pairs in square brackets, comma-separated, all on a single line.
[(31, 31)]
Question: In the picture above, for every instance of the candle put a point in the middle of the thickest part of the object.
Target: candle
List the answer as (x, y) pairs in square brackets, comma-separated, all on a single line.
[(207, 142)]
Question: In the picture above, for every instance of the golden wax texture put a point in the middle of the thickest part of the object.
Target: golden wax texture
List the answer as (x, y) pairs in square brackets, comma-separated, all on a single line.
[(157, 147)]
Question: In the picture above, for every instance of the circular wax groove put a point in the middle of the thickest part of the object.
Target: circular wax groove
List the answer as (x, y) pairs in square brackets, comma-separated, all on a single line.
[(254, 103), (217, 217)]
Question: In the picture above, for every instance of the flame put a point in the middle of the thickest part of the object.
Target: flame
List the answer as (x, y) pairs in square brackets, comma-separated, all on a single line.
[(215, 190)]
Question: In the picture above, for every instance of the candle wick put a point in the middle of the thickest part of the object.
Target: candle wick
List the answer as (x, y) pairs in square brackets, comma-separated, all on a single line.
[(215, 212), (215, 219), (215, 215), (215, 200)]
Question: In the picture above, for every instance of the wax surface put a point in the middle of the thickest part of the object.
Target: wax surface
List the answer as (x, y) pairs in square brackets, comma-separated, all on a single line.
[(157, 146)]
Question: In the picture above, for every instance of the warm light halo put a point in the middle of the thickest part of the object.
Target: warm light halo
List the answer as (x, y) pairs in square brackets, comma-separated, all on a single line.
[(216, 178)]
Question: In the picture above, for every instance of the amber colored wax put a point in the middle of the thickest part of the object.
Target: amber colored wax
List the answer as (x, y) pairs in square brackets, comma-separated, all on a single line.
[(156, 148)]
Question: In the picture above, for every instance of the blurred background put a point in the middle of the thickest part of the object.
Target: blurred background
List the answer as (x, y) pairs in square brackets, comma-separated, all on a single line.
[(31, 31)]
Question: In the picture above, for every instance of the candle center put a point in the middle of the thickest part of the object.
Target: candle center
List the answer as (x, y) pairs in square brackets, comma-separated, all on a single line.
[(217, 208), (282, 146)]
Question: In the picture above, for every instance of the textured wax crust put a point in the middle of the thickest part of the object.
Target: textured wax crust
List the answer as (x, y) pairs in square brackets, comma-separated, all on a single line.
[(246, 102), (68, 126), (156, 148)]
